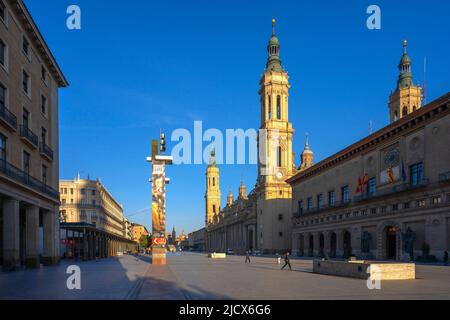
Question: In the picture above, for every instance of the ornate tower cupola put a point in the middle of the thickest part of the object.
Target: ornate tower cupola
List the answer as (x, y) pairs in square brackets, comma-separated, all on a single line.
[(307, 156), (407, 97), (242, 190), (273, 49), (230, 198), (212, 195)]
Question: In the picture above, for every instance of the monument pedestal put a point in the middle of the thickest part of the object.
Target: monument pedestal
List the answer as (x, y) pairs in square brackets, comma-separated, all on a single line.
[(159, 256)]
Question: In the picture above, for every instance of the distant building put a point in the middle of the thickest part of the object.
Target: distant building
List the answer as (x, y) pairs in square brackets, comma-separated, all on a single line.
[(29, 142), (85, 200), (137, 231), (386, 196), (127, 229), (196, 240), (92, 220)]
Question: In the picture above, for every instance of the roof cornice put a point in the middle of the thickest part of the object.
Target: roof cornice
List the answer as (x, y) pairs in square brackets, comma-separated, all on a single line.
[(422, 116)]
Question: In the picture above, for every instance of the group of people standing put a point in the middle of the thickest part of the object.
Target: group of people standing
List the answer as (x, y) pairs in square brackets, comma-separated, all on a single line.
[(287, 261)]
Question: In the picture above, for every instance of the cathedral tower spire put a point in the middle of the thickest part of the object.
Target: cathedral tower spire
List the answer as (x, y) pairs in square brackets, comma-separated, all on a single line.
[(407, 97), (273, 49), (307, 156), (212, 196)]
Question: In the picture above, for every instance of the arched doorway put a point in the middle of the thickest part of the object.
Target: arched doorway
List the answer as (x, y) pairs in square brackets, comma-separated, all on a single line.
[(333, 245), (347, 244), (311, 246), (391, 242), (321, 245)]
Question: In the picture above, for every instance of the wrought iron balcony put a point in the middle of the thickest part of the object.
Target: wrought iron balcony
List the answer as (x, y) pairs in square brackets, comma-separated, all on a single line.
[(407, 186), (46, 151), (8, 118), (23, 177), (29, 136), (336, 205)]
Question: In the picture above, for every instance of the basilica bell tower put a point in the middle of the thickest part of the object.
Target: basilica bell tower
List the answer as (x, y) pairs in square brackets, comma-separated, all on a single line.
[(212, 195), (275, 157)]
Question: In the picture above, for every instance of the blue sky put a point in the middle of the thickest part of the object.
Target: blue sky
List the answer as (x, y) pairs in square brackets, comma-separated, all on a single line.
[(134, 69)]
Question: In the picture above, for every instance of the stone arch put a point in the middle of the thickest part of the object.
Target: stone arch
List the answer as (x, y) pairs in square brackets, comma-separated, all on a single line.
[(310, 245), (382, 239), (321, 244)]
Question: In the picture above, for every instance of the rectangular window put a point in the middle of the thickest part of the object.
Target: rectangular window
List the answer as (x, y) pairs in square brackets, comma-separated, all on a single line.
[(2, 53), (2, 96), (436, 200), (309, 204), (26, 162), (416, 174), (394, 207), (43, 74), (383, 209), (371, 187), (26, 47), (2, 11), (63, 201), (43, 104), (25, 118), (421, 203), (214, 208), (300, 207), (71, 190), (93, 192), (44, 174), (93, 202), (345, 194), (26, 82), (83, 191), (279, 161), (319, 201), (373, 210), (331, 198), (2, 148), (280, 217), (44, 135)]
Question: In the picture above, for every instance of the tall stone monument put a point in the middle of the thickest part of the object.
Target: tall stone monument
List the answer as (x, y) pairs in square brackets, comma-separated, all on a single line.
[(159, 182)]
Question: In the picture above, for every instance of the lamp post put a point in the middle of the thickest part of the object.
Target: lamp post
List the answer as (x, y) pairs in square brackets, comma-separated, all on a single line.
[(159, 182)]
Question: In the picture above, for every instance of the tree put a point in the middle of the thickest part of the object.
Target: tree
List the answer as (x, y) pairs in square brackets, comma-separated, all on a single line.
[(143, 241)]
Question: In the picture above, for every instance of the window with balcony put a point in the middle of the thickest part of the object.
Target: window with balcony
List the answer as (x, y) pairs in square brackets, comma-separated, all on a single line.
[(331, 198), (394, 207), (44, 174), (345, 194), (26, 162), (371, 187), (93, 192), (319, 201), (2, 148), (3, 54), (44, 135), (416, 174), (83, 191), (25, 118), (421, 203), (2, 96)]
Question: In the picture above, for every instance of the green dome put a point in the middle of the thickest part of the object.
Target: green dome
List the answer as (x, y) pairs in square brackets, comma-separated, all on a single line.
[(274, 41), (405, 60)]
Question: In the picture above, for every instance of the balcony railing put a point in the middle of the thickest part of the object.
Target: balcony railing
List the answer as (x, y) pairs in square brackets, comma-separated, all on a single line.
[(29, 136), (23, 177), (336, 205), (46, 151), (8, 117), (391, 190)]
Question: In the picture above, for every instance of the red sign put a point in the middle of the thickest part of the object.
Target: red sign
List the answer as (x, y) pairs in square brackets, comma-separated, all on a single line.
[(158, 241)]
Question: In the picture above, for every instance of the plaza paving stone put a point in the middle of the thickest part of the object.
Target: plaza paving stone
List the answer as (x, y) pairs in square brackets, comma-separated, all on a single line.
[(193, 276)]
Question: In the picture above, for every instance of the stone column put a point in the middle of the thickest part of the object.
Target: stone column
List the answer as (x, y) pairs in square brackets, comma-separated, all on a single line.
[(327, 244), (11, 235), (307, 245), (50, 256), (295, 244), (356, 241), (32, 237), (85, 245), (339, 243), (316, 243)]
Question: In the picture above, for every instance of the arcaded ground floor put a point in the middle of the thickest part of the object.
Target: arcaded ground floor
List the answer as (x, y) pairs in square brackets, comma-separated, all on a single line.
[(194, 276)]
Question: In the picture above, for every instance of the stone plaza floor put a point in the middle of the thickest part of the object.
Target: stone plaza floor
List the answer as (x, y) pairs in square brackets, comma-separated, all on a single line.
[(193, 276)]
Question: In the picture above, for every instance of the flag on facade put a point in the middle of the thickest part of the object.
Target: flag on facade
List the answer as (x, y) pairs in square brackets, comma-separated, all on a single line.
[(390, 174), (359, 185)]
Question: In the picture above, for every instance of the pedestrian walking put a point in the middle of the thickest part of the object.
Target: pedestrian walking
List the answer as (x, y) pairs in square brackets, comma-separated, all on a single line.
[(287, 262), (247, 256), (445, 257)]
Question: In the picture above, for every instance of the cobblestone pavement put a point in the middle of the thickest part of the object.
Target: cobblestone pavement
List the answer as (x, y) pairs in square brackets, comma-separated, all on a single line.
[(194, 276)]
